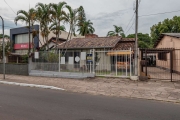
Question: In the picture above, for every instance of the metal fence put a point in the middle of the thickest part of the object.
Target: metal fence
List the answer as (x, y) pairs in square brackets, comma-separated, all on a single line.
[(161, 64), (100, 63), (114, 63)]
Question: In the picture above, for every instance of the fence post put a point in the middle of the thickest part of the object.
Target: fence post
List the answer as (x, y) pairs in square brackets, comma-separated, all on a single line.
[(126, 65), (59, 61), (171, 64), (90, 62), (146, 60), (130, 62), (116, 63), (93, 61)]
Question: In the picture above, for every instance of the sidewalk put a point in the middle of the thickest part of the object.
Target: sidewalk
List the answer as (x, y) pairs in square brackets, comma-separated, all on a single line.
[(118, 87)]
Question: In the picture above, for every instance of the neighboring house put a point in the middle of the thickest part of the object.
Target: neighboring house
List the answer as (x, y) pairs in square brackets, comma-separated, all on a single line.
[(109, 50), (62, 36), (52, 43), (171, 41), (20, 40)]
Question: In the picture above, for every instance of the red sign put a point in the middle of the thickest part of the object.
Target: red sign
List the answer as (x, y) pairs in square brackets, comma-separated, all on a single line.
[(22, 46)]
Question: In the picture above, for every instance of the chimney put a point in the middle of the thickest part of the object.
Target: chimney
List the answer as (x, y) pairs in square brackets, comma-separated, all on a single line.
[(91, 36)]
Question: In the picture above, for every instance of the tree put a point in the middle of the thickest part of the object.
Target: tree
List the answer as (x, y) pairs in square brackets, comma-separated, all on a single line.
[(5, 36), (81, 16), (57, 29), (118, 31), (144, 40), (166, 26), (7, 49), (27, 17), (57, 13), (71, 18), (86, 28), (43, 11)]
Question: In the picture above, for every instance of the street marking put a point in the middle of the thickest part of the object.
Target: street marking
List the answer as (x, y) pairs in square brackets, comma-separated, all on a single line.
[(31, 85)]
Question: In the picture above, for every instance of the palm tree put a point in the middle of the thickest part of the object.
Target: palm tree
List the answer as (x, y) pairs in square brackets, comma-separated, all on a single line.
[(81, 16), (117, 32), (57, 29), (43, 13), (28, 17), (72, 19), (86, 28), (58, 14)]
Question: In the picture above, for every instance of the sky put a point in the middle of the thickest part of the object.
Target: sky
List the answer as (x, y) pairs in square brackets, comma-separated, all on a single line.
[(103, 13)]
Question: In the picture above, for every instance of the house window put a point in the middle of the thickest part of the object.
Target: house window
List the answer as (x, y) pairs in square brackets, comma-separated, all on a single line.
[(23, 38), (162, 56), (67, 55)]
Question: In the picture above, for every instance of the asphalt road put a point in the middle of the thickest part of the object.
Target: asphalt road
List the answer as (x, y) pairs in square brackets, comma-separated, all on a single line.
[(24, 103)]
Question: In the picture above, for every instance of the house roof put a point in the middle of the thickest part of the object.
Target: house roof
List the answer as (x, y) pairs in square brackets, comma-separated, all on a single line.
[(177, 35), (172, 34), (53, 39), (116, 43), (124, 45), (98, 42)]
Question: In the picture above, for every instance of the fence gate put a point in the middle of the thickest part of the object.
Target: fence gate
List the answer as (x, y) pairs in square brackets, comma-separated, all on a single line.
[(161, 63), (113, 63)]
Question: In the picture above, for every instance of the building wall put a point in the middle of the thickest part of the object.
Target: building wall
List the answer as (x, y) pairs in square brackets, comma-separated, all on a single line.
[(170, 42), (23, 30)]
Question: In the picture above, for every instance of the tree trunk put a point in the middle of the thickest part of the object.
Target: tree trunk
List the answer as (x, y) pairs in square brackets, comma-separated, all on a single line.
[(66, 40), (70, 33), (47, 43), (32, 41), (39, 40), (29, 41)]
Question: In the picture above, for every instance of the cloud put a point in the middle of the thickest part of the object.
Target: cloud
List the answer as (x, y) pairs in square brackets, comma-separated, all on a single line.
[(104, 13)]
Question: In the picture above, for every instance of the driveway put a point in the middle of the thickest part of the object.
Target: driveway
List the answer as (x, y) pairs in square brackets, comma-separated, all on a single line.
[(161, 74)]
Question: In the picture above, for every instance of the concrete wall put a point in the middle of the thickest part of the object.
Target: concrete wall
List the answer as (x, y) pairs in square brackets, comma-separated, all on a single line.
[(170, 42), (16, 69)]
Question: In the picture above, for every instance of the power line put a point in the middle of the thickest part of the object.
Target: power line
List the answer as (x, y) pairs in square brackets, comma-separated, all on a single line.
[(159, 13), (132, 18), (129, 22), (130, 27), (10, 7)]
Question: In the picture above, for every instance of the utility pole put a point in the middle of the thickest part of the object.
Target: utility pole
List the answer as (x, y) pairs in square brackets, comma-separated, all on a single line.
[(136, 42), (3, 48)]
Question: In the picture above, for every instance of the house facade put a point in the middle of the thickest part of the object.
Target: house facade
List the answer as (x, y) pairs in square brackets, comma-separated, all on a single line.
[(171, 41), (110, 53)]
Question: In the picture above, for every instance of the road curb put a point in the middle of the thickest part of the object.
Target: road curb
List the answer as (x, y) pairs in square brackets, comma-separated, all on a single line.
[(31, 85)]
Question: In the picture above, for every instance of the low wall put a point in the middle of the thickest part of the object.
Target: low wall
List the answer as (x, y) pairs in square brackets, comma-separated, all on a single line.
[(16, 69), (60, 74)]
